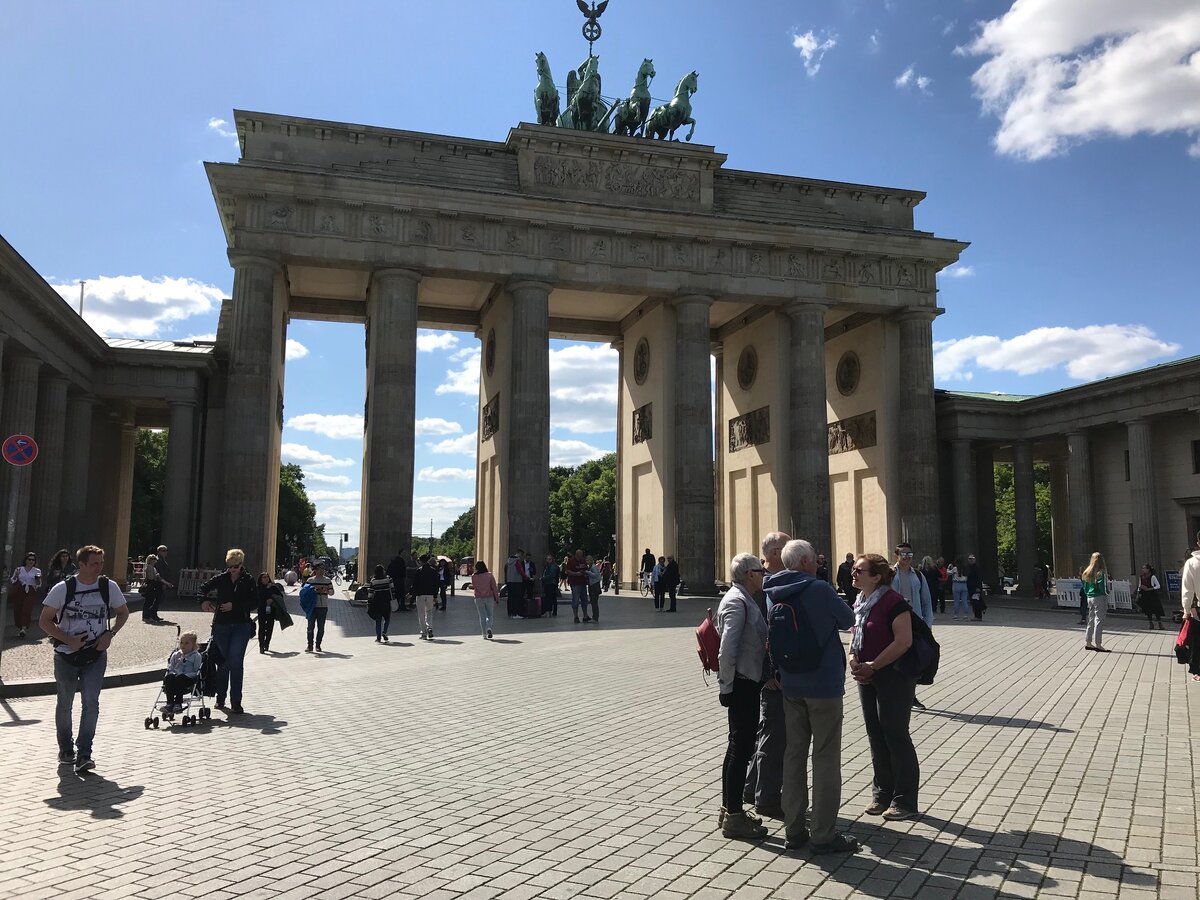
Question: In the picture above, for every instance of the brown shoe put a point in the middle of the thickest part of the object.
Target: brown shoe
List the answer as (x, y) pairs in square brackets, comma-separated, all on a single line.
[(878, 808), (739, 825), (896, 813)]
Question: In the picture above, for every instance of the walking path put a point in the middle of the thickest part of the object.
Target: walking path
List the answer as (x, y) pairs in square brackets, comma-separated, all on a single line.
[(569, 760)]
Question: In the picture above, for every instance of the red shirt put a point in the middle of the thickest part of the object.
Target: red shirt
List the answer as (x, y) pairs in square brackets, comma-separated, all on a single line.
[(577, 571), (877, 630)]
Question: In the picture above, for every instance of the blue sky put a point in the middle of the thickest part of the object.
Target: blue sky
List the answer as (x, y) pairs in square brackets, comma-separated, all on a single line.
[(1060, 137)]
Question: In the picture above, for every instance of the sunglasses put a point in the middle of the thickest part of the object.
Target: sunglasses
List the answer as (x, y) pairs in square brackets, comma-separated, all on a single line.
[(860, 571), (905, 553)]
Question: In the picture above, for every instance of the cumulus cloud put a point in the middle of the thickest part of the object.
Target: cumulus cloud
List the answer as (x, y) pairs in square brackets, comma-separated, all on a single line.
[(337, 518), (139, 307), (572, 453), (442, 510), (813, 47), (321, 496), (910, 78), (875, 40), (310, 458), (225, 130), (428, 341), (335, 426), (583, 388), (449, 473), (958, 270), (322, 478), (295, 350), (1059, 72), (1090, 352), (464, 379), (464, 444), (433, 425)]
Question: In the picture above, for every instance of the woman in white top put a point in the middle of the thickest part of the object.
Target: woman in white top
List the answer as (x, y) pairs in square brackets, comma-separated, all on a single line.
[(23, 590)]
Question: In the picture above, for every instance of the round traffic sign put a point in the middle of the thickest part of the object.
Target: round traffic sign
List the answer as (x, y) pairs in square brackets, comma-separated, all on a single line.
[(20, 449)]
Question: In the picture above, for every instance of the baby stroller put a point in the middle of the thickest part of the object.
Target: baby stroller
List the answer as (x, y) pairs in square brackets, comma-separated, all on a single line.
[(211, 657)]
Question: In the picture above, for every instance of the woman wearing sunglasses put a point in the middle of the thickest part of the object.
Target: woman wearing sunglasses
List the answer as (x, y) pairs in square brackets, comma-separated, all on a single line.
[(237, 598), (23, 590)]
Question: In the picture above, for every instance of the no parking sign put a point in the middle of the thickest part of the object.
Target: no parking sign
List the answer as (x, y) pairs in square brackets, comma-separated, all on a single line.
[(20, 450)]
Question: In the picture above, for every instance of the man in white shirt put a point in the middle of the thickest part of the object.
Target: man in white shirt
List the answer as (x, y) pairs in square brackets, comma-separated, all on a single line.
[(82, 626)]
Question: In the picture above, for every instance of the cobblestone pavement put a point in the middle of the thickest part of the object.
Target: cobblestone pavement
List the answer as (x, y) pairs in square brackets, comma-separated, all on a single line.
[(571, 760)]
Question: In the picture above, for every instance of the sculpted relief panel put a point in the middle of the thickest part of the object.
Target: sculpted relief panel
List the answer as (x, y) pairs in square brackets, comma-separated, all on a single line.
[(750, 430), (855, 433), (603, 176)]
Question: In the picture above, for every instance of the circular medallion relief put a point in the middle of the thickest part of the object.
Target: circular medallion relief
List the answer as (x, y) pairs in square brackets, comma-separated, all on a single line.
[(747, 367), (848, 371), (489, 353), (641, 361)]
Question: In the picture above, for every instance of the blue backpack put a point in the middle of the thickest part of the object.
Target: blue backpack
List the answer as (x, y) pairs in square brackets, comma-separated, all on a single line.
[(308, 599), (791, 641)]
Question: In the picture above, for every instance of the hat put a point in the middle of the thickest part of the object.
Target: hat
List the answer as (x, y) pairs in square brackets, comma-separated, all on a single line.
[(318, 564)]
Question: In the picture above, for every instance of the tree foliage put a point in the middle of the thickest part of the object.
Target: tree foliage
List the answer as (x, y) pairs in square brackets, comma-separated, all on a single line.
[(149, 475), (298, 518), (456, 542), (583, 507), (1006, 517)]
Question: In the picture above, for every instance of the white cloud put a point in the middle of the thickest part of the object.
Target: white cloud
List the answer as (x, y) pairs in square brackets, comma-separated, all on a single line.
[(1090, 352), (200, 337), (442, 510), (434, 425), (322, 478), (958, 270), (910, 78), (295, 350), (428, 341), (225, 130), (336, 426), (139, 307), (875, 40), (583, 388), (449, 473), (337, 518), (1060, 72), (310, 458), (335, 496), (464, 379), (813, 48), (572, 453), (464, 444)]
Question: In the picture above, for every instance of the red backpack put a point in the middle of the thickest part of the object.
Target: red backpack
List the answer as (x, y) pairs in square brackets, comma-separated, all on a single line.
[(708, 642)]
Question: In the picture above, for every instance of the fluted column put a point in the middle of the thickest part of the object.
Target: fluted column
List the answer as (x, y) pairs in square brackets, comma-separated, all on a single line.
[(620, 551), (20, 417), (1060, 522), (122, 510), (45, 538), (695, 545), (966, 519), (3, 341), (247, 513), (917, 431), (1142, 495), (808, 426), (178, 514), (1079, 498), (527, 434), (387, 505), (985, 498), (720, 552), (1025, 502), (77, 464)]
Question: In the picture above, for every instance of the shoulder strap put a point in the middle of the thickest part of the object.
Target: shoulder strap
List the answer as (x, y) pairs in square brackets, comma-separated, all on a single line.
[(70, 582)]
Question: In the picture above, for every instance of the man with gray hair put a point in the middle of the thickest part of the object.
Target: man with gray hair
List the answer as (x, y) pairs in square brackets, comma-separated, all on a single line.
[(811, 663), (764, 781)]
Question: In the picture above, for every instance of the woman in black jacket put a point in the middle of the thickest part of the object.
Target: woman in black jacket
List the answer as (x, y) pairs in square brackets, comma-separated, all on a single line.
[(237, 598), (269, 592)]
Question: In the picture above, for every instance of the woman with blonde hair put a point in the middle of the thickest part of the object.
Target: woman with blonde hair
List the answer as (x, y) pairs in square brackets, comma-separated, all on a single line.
[(237, 598), (1096, 588)]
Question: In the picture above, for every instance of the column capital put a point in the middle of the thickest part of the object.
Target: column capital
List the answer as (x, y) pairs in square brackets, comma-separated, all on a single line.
[(799, 305), (393, 272), (56, 377), (1136, 421), (918, 314), (518, 285), (618, 344), (189, 402), (239, 259), (24, 365), (83, 397), (689, 299)]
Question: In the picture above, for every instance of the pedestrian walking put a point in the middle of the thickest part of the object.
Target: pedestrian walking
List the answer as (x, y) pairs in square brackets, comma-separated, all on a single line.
[(237, 597), (1149, 596), (514, 583), (933, 578), (323, 586), (397, 570), (845, 579), (670, 581), (975, 588), (1097, 588), (593, 587), (425, 585), (487, 595), (656, 583), (910, 583), (61, 568), (23, 589), (153, 585), (577, 578), (76, 616), (742, 658), (269, 594), (882, 634), (958, 583), (379, 604), (551, 575), (764, 780)]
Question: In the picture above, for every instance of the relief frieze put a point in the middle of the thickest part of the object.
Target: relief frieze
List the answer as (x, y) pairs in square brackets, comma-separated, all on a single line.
[(750, 430), (854, 433), (490, 418), (643, 424), (602, 176)]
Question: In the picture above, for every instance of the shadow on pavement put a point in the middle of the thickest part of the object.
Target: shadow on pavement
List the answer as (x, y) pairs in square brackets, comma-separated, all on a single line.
[(997, 720), (91, 792), (265, 722), (497, 640), (14, 719)]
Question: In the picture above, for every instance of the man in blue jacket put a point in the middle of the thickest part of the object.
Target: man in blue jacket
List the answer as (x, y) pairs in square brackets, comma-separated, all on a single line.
[(812, 704)]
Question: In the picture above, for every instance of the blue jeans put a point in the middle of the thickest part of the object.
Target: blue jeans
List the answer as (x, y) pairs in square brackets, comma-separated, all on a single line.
[(87, 680), (231, 640), (484, 606), (382, 623), (579, 597), (962, 600)]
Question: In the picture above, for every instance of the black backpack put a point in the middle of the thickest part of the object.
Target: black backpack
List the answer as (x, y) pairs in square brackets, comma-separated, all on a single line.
[(921, 660), (791, 640), (101, 586)]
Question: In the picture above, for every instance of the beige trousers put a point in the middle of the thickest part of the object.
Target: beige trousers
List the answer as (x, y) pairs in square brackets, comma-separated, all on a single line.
[(816, 722)]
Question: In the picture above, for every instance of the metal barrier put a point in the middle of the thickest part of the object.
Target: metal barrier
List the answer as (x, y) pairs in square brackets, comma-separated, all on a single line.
[(190, 580), (1069, 589)]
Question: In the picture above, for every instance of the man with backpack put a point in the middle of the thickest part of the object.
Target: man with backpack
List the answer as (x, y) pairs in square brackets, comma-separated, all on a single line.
[(805, 617), (75, 616), (912, 586)]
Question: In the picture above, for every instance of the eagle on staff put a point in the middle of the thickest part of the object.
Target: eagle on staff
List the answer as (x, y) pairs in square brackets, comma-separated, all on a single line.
[(591, 28)]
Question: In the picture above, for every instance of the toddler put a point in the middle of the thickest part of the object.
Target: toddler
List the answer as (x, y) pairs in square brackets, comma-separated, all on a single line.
[(183, 668)]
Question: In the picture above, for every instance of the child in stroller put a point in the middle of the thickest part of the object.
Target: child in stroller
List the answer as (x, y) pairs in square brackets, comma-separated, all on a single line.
[(185, 669)]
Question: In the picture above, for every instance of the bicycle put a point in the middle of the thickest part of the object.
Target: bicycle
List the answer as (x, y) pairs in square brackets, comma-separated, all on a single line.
[(644, 584)]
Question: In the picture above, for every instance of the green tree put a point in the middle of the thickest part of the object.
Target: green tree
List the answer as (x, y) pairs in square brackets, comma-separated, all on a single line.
[(583, 507), (1006, 516), (149, 473), (298, 517), (458, 540)]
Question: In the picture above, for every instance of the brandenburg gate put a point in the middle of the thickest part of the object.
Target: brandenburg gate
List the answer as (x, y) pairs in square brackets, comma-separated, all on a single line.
[(816, 299)]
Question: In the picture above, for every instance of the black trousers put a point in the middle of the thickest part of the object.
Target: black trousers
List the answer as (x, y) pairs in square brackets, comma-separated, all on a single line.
[(154, 595), (516, 598), (670, 589), (743, 733), (659, 596), (175, 686), (266, 627), (887, 706)]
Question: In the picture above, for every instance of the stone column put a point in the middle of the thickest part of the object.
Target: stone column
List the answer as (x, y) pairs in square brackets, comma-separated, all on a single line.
[(917, 431), (1079, 499), (720, 552), (620, 551), (1060, 524), (250, 492), (45, 538), (20, 417), (527, 433), (695, 546), (1025, 503), (178, 515), (808, 427), (387, 504), (77, 464), (122, 511), (966, 518), (1143, 496), (985, 499), (3, 341)]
